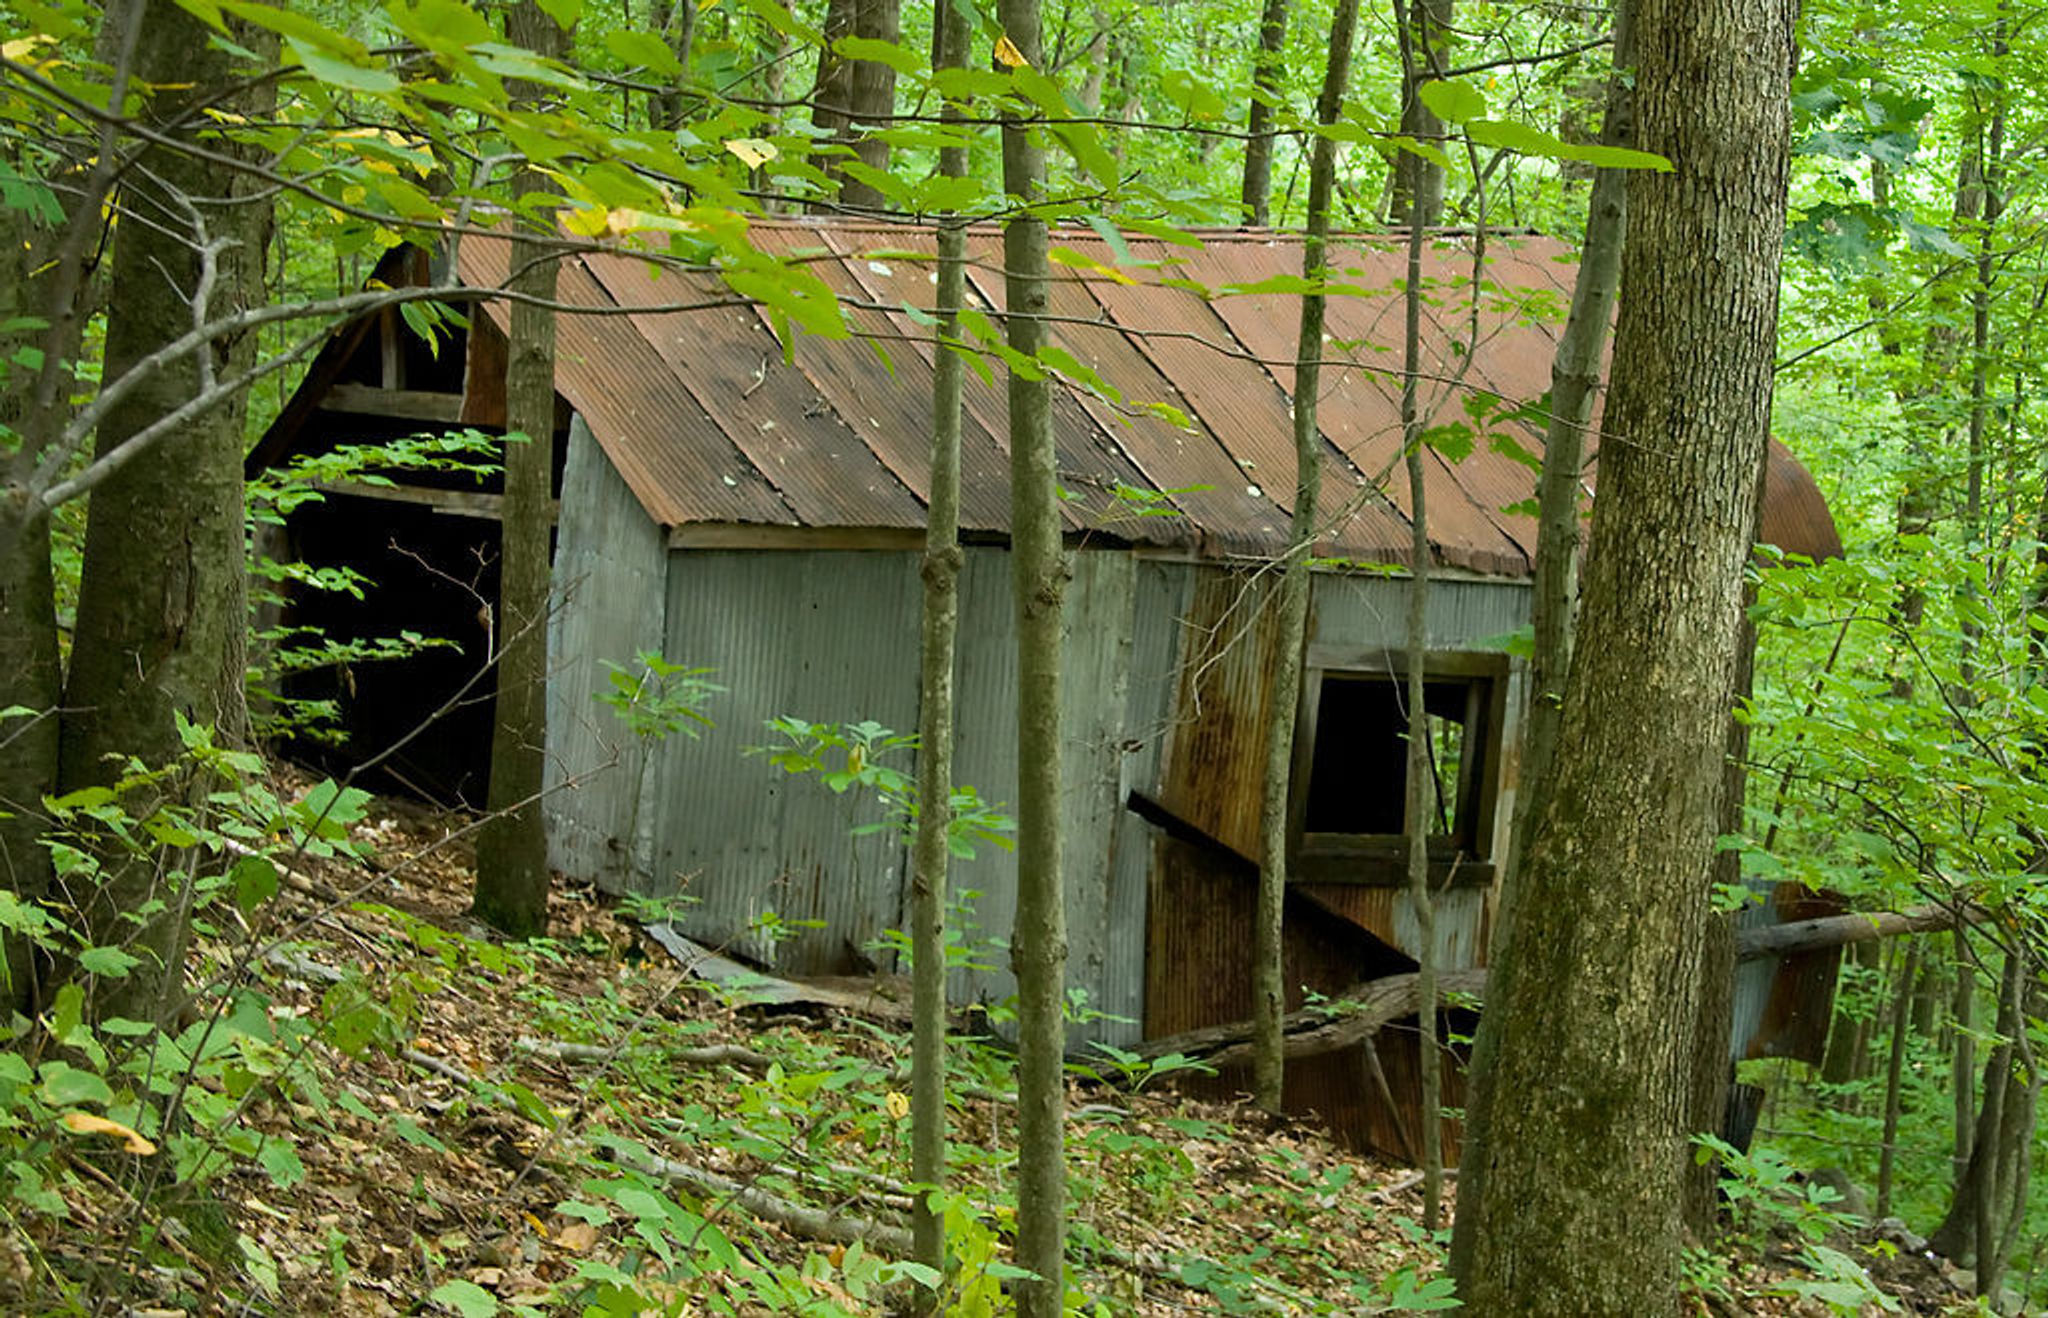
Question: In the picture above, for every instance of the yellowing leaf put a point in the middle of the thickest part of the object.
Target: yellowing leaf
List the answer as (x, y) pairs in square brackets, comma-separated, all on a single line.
[(85, 1123), (19, 49), (898, 1105), (587, 221), (752, 151), (1007, 52)]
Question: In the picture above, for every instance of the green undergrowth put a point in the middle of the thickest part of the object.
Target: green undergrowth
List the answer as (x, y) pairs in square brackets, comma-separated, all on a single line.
[(368, 1107)]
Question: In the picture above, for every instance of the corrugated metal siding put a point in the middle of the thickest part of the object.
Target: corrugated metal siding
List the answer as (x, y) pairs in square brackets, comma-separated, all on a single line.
[(823, 636), (609, 596), (1105, 894)]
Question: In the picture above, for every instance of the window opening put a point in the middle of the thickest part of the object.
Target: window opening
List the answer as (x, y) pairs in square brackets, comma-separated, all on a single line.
[(1358, 770)]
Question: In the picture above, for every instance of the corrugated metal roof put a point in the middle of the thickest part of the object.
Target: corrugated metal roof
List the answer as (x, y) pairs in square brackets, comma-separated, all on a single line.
[(708, 425)]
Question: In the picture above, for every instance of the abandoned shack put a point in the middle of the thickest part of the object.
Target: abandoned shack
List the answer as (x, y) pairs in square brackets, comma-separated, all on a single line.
[(761, 517)]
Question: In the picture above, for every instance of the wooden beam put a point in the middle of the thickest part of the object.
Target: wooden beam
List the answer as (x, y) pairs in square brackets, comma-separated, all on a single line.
[(458, 503), (406, 404)]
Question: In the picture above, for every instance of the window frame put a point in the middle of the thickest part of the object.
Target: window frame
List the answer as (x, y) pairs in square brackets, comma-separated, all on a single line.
[(1381, 859)]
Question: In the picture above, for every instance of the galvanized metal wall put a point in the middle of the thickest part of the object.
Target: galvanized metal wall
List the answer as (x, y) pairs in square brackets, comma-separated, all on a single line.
[(608, 600), (822, 636), (1118, 661)]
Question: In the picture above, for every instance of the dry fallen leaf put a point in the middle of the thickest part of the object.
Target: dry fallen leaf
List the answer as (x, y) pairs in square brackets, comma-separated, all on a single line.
[(577, 1237), (85, 1123)]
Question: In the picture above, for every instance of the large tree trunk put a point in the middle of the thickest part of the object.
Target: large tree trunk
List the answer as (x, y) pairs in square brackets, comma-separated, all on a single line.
[(162, 613), (1268, 72), (1038, 938), (1575, 374), (1269, 991), (1594, 1006), (942, 559), (512, 846)]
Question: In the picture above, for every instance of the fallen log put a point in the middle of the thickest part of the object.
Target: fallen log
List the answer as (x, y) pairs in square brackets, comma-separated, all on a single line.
[(1370, 1006), (1367, 1008), (1835, 930)]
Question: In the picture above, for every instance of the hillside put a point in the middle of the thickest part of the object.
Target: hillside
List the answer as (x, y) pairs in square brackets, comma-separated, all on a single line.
[(407, 1117)]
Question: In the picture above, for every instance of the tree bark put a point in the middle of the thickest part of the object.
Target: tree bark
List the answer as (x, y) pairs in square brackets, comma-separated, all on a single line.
[(677, 22), (1269, 991), (1594, 1007), (942, 561), (1038, 940), (512, 847), (1424, 29), (1895, 1068), (852, 95), (162, 609), (1269, 70), (1421, 776)]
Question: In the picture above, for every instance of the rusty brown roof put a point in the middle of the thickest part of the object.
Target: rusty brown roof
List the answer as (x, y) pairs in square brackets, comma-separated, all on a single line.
[(709, 424)]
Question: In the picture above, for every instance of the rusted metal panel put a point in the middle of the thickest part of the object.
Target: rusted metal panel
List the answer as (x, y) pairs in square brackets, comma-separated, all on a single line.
[(1202, 479), (895, 267), (1243, 405), (1092, 461), (1216, 758), (1359, 408), (1795, 517), (678, 462), (1389, 915), (1783, 1005), (889, 407), (1198, 959), (733, 367)]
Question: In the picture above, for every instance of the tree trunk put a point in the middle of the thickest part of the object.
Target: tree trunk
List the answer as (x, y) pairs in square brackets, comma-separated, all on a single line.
[(162, 610), (1038, 939), (677, 22), (1269, 71), (1594, 1007), (942, 560), (1269, 991), (1895, 1069), (512, 846), (30, 678), (1963, 1056), (851, 96), (1848, 1052), (1424, 29), (1574, 388)]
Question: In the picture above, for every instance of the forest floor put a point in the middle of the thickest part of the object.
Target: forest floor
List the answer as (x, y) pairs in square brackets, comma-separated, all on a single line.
[(580, 1127)]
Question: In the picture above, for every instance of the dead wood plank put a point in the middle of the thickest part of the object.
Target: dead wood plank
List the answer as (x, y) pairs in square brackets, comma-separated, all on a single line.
[(405, 404)]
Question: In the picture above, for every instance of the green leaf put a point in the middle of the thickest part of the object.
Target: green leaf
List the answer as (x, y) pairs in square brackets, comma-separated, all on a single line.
[(256, 882), (64, 1085), (644, 49), (564, 12), (906, 62), (281, 1161), (1454, 440), (338, 72), (111, 962), (1453, 100), (466, 1298)]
